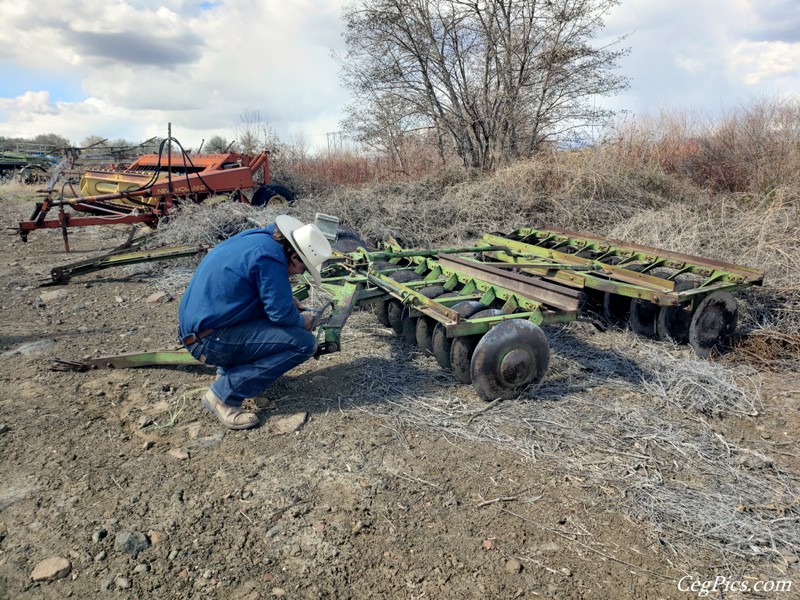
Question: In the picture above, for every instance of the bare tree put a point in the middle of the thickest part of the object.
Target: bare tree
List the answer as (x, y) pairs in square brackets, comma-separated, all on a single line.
[(496, 79), (384, 125), (52, 140), (253, 134), (216, 143), (93, 141)]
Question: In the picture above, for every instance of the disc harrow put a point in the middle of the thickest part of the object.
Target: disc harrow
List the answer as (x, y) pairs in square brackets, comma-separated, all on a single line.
[(658, 293), (479, 310)]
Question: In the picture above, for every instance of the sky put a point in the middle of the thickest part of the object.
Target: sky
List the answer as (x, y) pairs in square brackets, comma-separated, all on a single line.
[(127, 69)]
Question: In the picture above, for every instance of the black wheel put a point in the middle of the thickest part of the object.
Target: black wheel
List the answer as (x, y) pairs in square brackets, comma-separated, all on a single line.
[(462, 348), (273, 195), (713, 323), (511, 356), (673, 322), (439, 340)]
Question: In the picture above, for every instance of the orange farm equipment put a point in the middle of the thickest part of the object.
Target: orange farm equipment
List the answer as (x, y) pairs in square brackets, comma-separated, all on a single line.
[(148, 189)]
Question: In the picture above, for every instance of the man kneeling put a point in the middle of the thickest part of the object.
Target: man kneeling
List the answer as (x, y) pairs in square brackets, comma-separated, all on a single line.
[(238, 312)]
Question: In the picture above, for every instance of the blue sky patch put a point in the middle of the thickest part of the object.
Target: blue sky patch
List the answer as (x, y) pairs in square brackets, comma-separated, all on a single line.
[(15, 81)]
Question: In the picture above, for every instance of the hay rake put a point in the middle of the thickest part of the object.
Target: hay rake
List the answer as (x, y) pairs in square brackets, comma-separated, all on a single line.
[(479, 310)]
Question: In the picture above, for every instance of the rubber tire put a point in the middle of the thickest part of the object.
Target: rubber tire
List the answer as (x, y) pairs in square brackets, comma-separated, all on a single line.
[(273, 194)]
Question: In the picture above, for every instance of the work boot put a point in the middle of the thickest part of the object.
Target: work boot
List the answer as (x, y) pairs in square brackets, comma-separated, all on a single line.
[(231, 416)]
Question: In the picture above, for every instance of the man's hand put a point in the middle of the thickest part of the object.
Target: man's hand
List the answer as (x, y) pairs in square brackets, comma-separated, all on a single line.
[(297, 304), (315, 316)]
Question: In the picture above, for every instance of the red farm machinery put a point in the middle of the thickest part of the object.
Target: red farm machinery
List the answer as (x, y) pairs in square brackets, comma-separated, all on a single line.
[(149, 188)]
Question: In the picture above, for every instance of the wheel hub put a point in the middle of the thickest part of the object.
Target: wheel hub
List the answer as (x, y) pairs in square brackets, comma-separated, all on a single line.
[(515, 366)]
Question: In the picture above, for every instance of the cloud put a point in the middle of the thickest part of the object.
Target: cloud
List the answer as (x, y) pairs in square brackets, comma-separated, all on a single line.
[(776, 21), (198, 65), (705, 56), (758, 62), (28, 106), (201, 64), (129, 48)]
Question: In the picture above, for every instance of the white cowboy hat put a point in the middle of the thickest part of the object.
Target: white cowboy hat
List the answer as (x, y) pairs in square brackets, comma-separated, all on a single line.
[(308, 241)]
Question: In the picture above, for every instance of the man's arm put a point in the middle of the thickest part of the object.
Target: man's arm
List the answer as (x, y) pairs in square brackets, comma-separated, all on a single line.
[(275, 289)]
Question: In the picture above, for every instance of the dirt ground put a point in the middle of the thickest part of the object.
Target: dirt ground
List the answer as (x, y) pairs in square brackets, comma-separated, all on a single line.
[(123, 476)]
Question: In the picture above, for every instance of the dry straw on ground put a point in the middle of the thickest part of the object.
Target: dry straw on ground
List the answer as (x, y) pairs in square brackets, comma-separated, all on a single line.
[(630, 420), (634, 418)]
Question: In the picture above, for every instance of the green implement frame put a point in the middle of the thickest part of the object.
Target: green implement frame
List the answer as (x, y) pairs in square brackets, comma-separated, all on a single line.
[(61, 275), (478, 310), (622, 268)]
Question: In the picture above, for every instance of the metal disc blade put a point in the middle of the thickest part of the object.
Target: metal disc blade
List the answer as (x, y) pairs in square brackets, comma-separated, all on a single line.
[(380, 312), (424, 335), (509, 358), (672, 324), (642, 318), (461, 356), (408, 327), (394, 314), (405, 276), (432, 291), (463, 347), (616, 309), (467, 308), (441, 346), (713, 323)]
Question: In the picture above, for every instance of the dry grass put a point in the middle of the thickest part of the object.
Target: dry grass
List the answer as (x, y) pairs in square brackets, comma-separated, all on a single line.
[(567, 189), (621, 420), (653, 450), (14, 192), (753, 149), (764, 235), (196, 224), (635, 420)]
